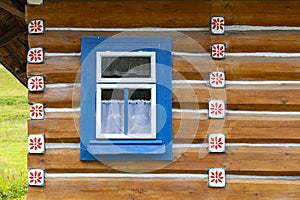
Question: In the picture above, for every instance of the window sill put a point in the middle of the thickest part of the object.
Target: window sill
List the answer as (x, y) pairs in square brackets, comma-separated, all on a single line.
[(126, 147)]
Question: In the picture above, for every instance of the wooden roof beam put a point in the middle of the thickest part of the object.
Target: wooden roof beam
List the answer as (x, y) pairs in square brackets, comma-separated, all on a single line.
[(12, 10)]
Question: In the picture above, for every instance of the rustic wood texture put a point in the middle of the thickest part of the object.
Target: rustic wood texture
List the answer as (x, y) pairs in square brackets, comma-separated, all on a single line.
[(67, 69), (168, 188), (13, 44), (243, 41), (188, 128), (169, 13), (236, 160), (196, 96)]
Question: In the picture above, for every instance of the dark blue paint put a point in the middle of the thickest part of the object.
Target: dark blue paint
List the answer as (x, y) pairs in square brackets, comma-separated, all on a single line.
[(158, 149)]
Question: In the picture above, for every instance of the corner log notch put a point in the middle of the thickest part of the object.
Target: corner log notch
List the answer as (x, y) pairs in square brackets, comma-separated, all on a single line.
[(13, 38)]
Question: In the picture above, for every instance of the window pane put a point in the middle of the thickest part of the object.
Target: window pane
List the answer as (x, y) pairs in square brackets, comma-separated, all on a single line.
[(108, 94), (139, 111), (112, 111), (126, 67), (144, 94)]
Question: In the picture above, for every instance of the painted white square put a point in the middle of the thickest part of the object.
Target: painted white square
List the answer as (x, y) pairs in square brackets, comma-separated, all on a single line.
[(36, 26), (217, 79), (217, 25), (36, 177), (36, 143), (36, 83), (35, 2), (216, 109), (216, 143), (37, 111), (35, 55), (218, 51), (216, 177)]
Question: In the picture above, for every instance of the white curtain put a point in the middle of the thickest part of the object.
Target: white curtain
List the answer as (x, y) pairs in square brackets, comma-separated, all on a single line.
[(112, 116), (139, 116)]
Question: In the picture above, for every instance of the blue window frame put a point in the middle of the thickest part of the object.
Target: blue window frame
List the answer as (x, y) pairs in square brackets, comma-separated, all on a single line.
[(126, 81)]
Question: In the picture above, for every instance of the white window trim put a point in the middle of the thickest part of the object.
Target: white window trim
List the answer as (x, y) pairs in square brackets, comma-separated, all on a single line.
[(100, 135), (152, 56)]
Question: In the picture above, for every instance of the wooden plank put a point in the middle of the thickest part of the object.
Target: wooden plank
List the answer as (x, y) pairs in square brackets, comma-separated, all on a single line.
[(194, 42), (188, 128), (169, 13), (13, 56), (57, 69), (67, 69), (196, 96), (163, 188), (237, 160)]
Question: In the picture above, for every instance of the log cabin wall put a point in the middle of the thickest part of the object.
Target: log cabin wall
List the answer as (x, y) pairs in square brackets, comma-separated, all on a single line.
[(262, 93)]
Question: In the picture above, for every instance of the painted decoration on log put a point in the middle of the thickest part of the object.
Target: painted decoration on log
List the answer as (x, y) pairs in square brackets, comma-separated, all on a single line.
[(36, 143), (217, 79), (35, 55), (216, 177), (36, 177), (35, 2), (218, 51), (37, 111), (217, 25), (36, 26), (36, 84), (216, 143), (216, 109)]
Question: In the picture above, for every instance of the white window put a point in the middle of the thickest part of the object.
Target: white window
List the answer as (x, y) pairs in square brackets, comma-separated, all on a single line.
[(126, 95), (126, 67)]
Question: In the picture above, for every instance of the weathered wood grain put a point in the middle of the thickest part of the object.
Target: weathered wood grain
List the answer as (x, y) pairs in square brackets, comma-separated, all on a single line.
[(163, 188), (196, 96), (13, 55), (188, 128), (237, 160), (169, 13), (194, 42), (67, 69)]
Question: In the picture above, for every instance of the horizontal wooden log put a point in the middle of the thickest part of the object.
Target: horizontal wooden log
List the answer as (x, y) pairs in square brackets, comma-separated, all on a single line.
[(195, 42), (196, 96), (169, 13), (163, 188), (237, 160), (67, 69), (188, 128)]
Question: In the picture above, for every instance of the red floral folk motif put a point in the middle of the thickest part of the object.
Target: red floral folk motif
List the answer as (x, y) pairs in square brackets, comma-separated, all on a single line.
[(216, 143), (36, 177), (218, 51), (36, 83), (216, 177), (216, 108), (37, 111), (35, 55), (217, 79), (36, 26), (36, 143), (217, 25)]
